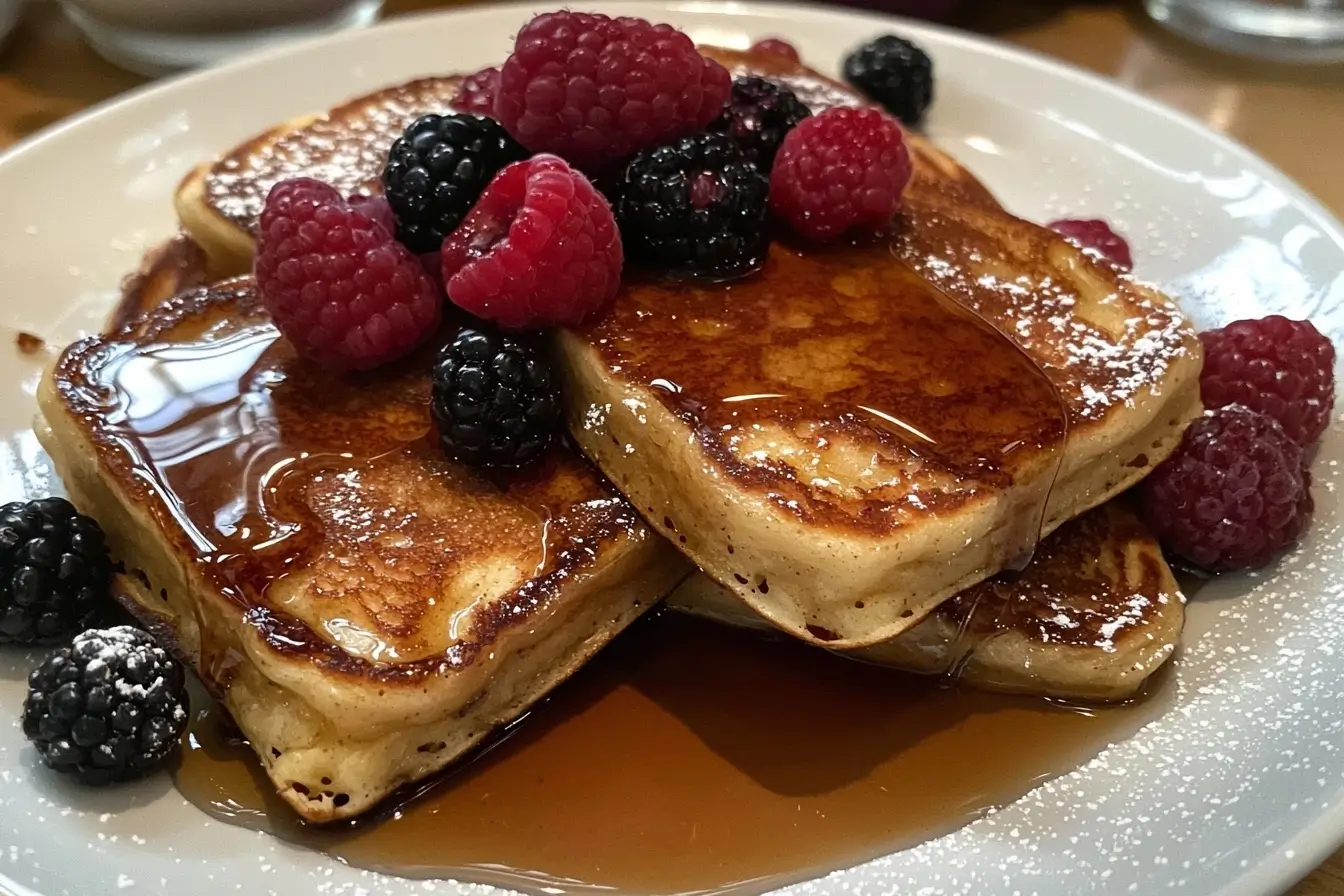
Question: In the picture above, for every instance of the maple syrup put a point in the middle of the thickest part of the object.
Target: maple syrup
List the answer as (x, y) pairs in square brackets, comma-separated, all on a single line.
[(690, 757)]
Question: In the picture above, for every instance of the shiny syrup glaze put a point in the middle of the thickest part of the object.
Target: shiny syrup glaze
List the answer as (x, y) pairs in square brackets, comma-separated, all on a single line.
[(844, 345), (689, 758), (258, 465)]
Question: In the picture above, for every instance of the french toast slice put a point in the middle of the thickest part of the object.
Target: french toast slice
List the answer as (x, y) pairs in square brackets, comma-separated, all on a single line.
[(366, 609), (842, 563), (1092, 617), (842, 534)]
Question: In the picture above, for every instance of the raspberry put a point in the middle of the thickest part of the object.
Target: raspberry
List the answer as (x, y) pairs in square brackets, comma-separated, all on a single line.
[(337, 285), (840, 170), (377, 208), (595, 89), (1280, 367), (380, 211), (437, 168), (1235, 493), (540, 248), (695, 207), (494, 400), (895, 73), (758, 116), (476, 93), (775, 46), (1096, 235)]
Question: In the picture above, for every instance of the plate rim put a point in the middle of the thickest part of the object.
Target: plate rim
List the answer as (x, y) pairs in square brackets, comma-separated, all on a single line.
[(1312, 842)]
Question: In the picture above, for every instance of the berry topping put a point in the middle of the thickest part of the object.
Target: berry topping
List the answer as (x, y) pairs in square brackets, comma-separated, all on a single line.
[(894, 72), (494, 400), (595, 89), (376, 208), (436, 170), (1097, 236), (476, 93), (776, 46), (110, 707), (1235, 493), (1280, 367), (540, 249), (758, 116), (337, 285), (841, 170), (55, 571), (695, 207)]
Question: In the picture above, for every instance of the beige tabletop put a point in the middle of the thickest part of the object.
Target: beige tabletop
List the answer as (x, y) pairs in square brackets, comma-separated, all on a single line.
[(1294, 117)]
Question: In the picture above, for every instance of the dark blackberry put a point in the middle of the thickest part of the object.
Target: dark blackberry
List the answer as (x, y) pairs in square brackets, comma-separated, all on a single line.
[(54, 571), (108, 708), (695, 207), (494, 400), (436, 170), (758, 115), (894, 72)]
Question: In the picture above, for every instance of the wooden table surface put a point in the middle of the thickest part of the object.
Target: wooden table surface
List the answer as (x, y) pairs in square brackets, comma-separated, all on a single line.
[(1292, 116)]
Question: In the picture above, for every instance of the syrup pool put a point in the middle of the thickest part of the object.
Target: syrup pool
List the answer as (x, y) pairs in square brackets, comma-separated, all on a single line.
[(692, 758)]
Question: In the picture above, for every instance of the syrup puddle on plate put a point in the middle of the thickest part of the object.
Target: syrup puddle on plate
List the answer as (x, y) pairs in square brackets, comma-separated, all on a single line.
[(694, 758)]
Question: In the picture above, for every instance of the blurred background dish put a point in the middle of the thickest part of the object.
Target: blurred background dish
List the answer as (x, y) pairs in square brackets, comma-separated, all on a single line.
[(154, 38), (1283, 30), (9, 15)]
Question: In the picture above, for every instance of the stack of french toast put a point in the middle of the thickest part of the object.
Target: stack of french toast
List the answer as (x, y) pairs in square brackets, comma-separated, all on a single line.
[(907, 450)]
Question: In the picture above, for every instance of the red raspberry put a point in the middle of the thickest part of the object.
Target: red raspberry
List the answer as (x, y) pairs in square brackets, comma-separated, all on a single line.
[(477, 92), (840, 170), (1097, 235), (337, 285), (539, 249), (1235, 493), (775, 46), (1280, 367), (376, 208), (595, 89)]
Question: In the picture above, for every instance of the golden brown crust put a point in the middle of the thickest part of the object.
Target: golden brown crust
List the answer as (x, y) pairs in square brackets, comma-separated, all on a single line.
[(388, 499), (167, 269), (345, 147), (831, 347), (1091, 583)]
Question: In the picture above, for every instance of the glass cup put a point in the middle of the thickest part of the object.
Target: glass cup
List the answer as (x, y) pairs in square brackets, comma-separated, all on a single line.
[(1282, 30), (154, 38)]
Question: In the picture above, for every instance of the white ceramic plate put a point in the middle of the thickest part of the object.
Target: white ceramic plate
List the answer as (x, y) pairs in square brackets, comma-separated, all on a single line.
[(1237, 789)]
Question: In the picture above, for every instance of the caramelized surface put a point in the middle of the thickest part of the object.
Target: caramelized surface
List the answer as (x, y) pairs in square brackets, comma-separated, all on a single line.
[(320, 503), (345, 147), (1095, 580), (838, 382), (691, 758)]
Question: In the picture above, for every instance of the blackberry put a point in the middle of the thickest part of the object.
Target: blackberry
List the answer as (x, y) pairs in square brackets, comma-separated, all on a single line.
[(694, 207), (54, 571), (436, 170), (758, 115), (108, 708), (494, 400), (894, 72)]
